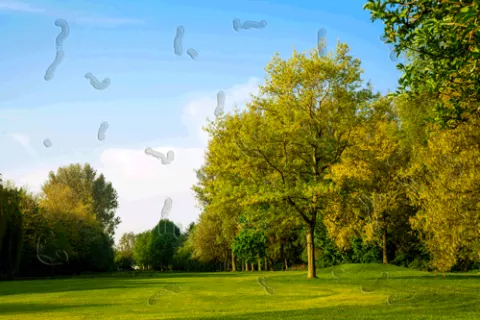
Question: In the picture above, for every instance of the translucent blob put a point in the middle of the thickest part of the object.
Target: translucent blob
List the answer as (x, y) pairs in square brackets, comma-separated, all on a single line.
[(48, 256), (173, 288), (334, 272), (321, 42), (178, 41), (391, 48), (97, 84), (236, 25), (167, 206), (261, 281), (254, 24), (101, 134), (165, 160), (65, 31), (192, 53), (47, 143), (53, 67), (220, 103), (155, 298)]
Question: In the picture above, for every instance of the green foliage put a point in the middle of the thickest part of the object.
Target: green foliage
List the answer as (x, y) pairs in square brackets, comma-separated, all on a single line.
[(141, 250), (77, 189), (163, 242), (443, 39), (10, 232), (250, 245)]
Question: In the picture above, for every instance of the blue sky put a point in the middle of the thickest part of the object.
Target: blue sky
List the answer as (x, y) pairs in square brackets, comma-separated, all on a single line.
[(152, 92)]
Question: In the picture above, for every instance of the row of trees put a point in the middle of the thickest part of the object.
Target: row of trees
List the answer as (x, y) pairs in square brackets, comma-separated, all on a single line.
[(318, 168), (67, 228), (317, 154)]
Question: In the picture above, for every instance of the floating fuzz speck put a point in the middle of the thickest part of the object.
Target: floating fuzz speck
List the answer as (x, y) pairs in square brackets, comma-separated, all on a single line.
[(102, 130), (237, 24), (321, 42), (178, 41), (167, 206), (391, 48), (192, 53), (157, 154), (220, 103), (97, 84), (48, 258), (261, 281), (47, 143), (65, 31)]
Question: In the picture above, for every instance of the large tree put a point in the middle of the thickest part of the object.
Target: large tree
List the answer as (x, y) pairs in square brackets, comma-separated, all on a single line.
[(78, 189), (10, 232), (297, 128), (442, 37)]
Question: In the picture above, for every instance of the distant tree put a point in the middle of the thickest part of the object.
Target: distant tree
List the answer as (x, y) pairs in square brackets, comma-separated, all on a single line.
[(142, 251), (164, 242), (10, 232), (250, 245), (78, 189), (124, 251)]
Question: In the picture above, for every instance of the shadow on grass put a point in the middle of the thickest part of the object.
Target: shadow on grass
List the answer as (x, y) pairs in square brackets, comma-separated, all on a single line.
[(71, 285), (22, 308), (422, 309)]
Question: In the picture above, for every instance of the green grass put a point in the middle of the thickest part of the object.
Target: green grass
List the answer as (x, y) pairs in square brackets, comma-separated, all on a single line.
[(413, 295)]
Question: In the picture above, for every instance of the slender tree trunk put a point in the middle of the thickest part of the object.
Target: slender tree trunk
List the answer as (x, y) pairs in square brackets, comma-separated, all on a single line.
[(253, 267), (259, 264), (265, 261), (225, 265), (312, 272), (285, 263), (282, 254), (272, 264), (234, 267), (246, 265), (243, 265), (384, 247)]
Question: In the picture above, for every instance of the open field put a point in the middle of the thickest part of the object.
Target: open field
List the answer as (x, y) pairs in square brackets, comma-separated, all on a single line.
[(357, 292)]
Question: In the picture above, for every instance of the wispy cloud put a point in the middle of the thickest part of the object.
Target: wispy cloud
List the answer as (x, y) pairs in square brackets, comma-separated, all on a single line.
[(76, 17), (19, 6), (113, 22), (24, 141)]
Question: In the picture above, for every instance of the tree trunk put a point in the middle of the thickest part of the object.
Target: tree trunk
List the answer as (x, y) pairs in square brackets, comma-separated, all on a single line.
[(312, 272), (265, 260), (243, 265), (225, 265), (259, 264), (253, 267), (285, 263), (246, 265), (282, 254), (384, 247), (234, 267)]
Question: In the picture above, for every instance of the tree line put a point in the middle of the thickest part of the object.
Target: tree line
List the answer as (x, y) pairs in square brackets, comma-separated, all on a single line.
[(317, 169), (318, 157), (67, 228)]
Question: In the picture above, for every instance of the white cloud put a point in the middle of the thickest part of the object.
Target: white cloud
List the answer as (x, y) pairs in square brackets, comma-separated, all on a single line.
[(142, 181), (23, 7), (24, 141), (19, 6), (106, 21), (201, 108)]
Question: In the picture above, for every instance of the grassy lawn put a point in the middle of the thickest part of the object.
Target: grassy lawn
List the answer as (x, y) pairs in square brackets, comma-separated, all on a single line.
[(349, 292)]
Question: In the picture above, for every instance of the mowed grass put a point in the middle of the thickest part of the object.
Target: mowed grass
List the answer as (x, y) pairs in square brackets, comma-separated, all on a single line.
[(349, 292)]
